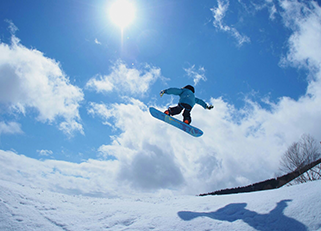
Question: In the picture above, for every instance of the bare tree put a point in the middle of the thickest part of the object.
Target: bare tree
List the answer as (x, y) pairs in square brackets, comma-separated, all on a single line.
[(300, 154)]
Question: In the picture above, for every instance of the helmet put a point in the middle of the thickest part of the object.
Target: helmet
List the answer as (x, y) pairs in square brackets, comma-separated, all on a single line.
[(189, 87)]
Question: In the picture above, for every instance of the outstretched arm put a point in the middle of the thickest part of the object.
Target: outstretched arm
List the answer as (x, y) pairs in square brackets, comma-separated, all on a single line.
[(171, 91), (203, 104)]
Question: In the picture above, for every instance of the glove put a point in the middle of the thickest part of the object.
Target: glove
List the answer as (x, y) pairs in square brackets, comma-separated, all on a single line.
[(162, 93), (209, 107)]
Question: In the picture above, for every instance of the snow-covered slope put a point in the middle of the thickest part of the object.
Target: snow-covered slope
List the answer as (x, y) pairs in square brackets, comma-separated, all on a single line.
[(289, 208)]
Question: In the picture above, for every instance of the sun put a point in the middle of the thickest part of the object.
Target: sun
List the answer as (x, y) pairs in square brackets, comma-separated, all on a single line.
[(122, 13)]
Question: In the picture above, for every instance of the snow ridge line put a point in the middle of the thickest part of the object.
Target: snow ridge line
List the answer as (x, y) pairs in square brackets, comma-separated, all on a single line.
[(273, 183)]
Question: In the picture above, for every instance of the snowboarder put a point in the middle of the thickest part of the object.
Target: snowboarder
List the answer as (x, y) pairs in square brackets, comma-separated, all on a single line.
[(187, 101)]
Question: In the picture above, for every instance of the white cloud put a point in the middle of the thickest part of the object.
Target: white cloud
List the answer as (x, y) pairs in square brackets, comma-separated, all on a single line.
[(197, 75), (97, 42), (28, 79), (273, 11), (269, 4), (219, 13), (12, 27), (304, 18), (10, 128), (145, 163), (124, 80), (45, 152)]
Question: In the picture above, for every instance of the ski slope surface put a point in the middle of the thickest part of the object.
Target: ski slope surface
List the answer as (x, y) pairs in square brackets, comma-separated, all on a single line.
[(288, 208)]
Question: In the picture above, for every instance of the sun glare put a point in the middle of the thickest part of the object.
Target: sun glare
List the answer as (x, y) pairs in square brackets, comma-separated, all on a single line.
[(122, 13)]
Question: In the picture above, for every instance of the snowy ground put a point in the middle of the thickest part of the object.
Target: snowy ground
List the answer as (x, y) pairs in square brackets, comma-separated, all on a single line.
[(289, 208)]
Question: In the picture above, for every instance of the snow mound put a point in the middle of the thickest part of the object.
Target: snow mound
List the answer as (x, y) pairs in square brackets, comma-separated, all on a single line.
[(289, 208)]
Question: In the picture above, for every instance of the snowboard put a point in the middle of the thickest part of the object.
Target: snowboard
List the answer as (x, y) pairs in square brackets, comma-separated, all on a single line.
[(175, 122)]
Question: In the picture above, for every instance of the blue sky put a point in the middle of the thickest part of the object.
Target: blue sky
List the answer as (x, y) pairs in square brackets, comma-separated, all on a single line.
[(76, 87)]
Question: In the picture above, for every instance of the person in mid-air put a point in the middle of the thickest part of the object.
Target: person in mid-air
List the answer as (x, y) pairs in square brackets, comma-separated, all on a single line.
[(187, 101)]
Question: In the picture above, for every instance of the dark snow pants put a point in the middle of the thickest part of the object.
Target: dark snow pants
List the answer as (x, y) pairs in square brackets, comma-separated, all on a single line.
[(178, 109)]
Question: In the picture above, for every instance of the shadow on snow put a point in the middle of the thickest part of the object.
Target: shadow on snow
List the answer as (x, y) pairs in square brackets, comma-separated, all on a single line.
[(275, 220)]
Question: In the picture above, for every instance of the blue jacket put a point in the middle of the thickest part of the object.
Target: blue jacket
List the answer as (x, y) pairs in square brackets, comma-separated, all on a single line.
[(186, 96)]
